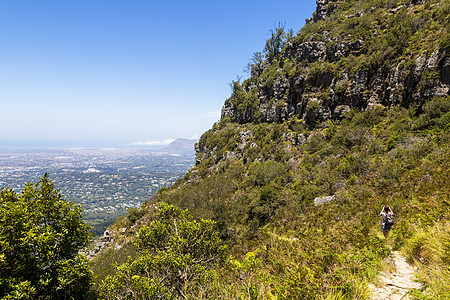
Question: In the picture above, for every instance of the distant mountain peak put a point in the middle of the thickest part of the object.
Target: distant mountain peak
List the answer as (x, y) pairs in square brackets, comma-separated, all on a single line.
[(181, 145)]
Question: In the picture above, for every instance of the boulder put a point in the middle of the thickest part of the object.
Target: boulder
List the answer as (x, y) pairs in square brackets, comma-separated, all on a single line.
[(322, 200)]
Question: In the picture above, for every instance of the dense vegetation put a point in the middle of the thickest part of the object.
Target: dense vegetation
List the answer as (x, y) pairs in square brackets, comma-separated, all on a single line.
[(289, 209), (176, 258), (40, 236)]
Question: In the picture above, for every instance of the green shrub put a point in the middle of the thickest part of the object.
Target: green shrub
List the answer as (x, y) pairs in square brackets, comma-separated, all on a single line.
[(432, 112), (261, 174), (444, 120), (40, 236), (176, 255), (134, 214)]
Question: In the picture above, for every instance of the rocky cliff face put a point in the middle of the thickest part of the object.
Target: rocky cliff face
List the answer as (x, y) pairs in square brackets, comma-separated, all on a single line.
[(322, 74)]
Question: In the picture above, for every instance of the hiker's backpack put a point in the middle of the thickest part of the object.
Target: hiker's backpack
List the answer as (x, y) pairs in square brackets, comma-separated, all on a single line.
[(390, 218)]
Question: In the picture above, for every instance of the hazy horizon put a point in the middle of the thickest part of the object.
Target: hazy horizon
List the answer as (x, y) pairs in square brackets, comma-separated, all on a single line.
[(84, 145)]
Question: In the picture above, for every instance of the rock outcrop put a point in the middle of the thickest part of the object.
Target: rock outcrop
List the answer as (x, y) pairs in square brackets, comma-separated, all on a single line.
[(323, 10)]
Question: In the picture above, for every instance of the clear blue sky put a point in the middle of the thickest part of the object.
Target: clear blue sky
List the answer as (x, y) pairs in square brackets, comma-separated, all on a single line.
[(117, 73)]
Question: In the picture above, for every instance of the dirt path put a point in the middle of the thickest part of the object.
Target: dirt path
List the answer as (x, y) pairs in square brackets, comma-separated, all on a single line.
[(396, 284)]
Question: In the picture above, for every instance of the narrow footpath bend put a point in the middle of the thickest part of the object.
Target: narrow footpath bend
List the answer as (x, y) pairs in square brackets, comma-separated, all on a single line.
[(397, 284)]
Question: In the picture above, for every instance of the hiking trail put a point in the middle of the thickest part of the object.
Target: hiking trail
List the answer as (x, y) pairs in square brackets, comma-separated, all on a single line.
[(396, 284)]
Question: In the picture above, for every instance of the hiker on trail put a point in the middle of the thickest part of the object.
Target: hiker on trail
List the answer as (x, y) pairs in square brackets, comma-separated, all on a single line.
[(388, 219)]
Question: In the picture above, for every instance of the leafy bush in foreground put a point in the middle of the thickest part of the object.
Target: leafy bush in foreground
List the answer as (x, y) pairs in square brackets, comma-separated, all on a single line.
[(40, 236), (176, 257)]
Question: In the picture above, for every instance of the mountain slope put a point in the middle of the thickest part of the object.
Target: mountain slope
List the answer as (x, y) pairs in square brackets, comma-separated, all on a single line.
[(350, 114)]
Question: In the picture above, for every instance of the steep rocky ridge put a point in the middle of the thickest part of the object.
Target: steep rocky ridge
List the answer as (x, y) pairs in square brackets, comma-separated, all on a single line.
[(323, 72)]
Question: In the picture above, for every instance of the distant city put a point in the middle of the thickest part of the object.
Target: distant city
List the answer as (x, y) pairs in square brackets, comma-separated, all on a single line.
[(106, 182)]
